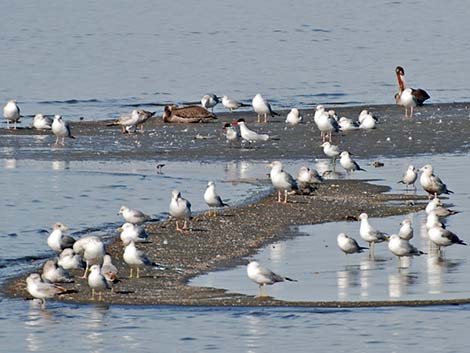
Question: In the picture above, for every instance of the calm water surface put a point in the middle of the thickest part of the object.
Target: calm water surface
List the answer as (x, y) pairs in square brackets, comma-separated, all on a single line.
[(97, 59)]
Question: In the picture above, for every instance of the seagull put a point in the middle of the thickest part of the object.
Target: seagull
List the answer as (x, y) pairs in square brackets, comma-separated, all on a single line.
[(410, 176), (294, 117), (348, 163), (369, 233), (41, 122), (61, 128), (11, 112), (231, 133), (401, 247), (406, 230), (348, 245), (408, 97), (330, 150), (132, 232), (109, 271), (309, 176), (135, 258), (41, 290), (281, 180), (436, 206), (54, 274), (57, 241), (431, 183), (346, 124), (68, 260), (432, 220), (129, 122), (231, 104), (264, 276), (325, 123), (180, 208), (92, 250), (443, 237), (249, 135), (262, 107), (133, 216), (212, 199), (209, 101), (97, 282), (367, 121)]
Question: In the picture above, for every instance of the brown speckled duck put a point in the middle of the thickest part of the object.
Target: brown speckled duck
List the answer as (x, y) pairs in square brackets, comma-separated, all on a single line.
[(188, 114)]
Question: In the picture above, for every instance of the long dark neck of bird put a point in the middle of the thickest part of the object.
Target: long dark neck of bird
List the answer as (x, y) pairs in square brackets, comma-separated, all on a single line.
[(401, 82)]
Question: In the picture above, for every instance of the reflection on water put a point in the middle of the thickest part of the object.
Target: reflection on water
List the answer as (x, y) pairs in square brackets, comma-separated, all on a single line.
[(324, 273)]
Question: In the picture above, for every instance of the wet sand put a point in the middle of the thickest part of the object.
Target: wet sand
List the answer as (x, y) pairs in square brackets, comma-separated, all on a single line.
[(225, 241)]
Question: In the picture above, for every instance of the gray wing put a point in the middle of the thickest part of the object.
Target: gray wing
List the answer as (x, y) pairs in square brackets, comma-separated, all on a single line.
[(289, 179), (66, 242), (270, 274)]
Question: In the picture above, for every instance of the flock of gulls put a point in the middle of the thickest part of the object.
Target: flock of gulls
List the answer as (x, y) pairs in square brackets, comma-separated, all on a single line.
[(89, 253)]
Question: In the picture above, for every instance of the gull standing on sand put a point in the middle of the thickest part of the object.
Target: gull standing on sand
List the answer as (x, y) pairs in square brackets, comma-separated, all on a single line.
[(231, 133), (349, 245), (410, 176), (209, 100), (97, 282), (348, 163), (435, 206), (325, 123), (92, 249), (443, 237), (431, 183), (61, 128), (41, 122), (54, 274), (401, 247), (11, 112), (406, 230), (180, 208), (133, 216), (57, 241), (212, 199), (264, 276), (294, 117), (109, 271), (249, 135), (330, 150), (262, 107), (230, 103), (369, 234), (68, 260), (281, 180), (135, 258), (41, 290), (129, 122), (132, 232)]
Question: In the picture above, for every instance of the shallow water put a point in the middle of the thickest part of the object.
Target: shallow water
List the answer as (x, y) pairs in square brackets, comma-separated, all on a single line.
[(99, 59), (324, 273)]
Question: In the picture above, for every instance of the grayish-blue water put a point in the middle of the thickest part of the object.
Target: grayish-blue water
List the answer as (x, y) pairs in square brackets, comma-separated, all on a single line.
[(100, 59), (94, 59)]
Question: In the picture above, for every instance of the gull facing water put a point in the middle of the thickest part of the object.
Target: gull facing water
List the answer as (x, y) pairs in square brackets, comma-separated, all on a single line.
[(401, 247), (230, 103), (132, 232), (133, 216), (135, 258), (209, 100), (406, 230), (41, 290), (348, 163), (435, 206), (97, 282), (264, 276), (57, 241), (294, 117), (349, 245), (41, 122)]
